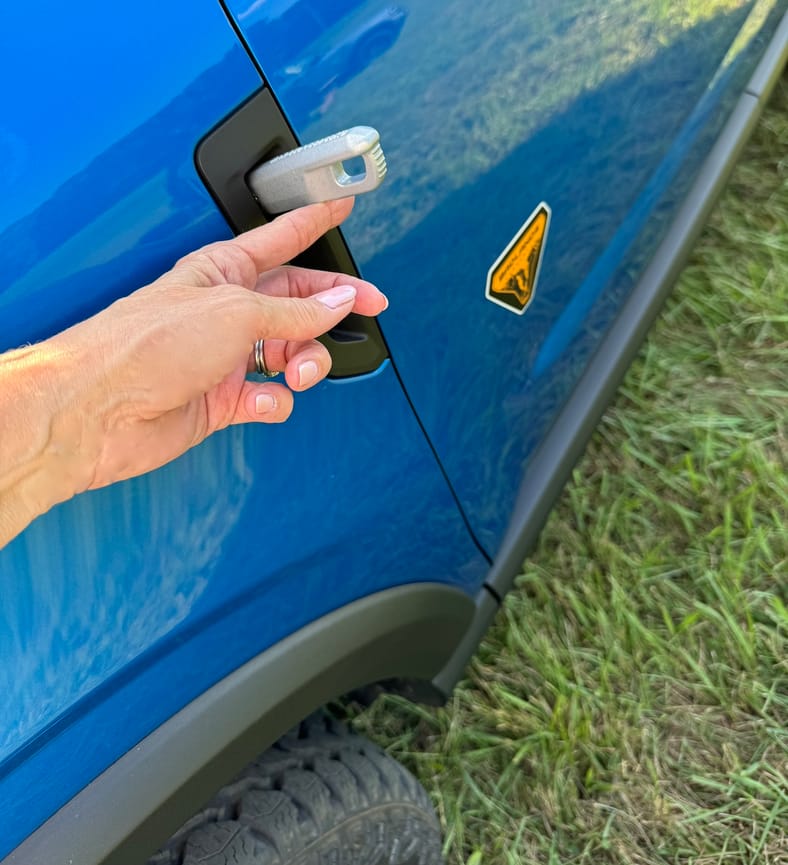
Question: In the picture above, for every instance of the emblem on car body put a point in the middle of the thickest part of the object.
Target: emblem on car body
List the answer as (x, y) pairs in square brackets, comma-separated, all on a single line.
[(511, 281)]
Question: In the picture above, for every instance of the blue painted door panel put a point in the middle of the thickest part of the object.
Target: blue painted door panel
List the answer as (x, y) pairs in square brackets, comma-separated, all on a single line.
[(119, 607), (122, 606), (602, 109)]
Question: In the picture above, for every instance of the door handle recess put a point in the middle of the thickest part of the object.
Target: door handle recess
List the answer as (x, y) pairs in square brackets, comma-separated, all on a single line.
[(244, 142)]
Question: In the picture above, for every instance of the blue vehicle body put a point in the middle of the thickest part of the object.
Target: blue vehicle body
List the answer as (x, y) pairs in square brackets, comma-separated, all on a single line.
[(312, 49), (122, 607)]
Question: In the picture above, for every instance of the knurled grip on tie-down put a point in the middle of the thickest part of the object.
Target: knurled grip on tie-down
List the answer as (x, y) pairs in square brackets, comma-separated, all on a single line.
[(316, 171)]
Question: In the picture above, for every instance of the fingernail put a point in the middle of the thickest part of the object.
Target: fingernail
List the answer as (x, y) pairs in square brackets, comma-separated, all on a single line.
[(307, 373), (387, 303), (336, 297), (264, 403)]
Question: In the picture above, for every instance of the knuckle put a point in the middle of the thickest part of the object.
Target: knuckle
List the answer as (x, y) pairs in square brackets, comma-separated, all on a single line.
[(299, 319), (219, 263), (303, 229)]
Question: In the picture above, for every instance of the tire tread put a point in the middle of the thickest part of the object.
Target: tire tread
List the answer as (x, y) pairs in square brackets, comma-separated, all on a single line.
[(321, 794)]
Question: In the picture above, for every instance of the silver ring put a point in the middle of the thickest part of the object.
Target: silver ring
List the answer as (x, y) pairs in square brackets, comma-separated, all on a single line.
[(259, 361)]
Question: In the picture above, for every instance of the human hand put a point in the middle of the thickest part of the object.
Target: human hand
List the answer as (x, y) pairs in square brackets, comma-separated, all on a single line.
[(158, 371)]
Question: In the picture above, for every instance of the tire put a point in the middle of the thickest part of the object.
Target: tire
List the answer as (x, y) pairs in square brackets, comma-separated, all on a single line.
[(320, 796)]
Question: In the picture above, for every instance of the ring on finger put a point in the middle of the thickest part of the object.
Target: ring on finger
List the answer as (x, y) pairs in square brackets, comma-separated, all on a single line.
[(259, 361)]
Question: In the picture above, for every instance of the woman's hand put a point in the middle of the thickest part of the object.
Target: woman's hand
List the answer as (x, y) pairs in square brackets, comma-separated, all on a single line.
[(158, 371)]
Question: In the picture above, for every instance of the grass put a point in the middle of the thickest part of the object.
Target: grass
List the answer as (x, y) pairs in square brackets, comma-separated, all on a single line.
[(631, 703)]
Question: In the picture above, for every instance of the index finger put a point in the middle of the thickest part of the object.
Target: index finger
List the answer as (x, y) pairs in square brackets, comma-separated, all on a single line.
[(301, 282), (291, 233)]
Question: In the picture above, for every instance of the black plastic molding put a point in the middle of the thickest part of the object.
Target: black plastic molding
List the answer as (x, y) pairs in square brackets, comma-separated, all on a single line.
[(126, 813)]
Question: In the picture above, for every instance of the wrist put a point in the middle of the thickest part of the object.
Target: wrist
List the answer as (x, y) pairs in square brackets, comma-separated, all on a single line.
[(41, 463)]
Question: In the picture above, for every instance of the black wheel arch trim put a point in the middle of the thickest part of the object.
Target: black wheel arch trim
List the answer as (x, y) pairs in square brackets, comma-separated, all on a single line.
[(128, 812)]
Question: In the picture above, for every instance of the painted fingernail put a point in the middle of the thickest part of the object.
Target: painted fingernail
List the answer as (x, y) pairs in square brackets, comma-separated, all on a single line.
[(307, 373), (264, 403), (336, 297)]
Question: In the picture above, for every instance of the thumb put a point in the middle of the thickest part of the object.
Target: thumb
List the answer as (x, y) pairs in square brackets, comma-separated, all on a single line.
[(296, 318)]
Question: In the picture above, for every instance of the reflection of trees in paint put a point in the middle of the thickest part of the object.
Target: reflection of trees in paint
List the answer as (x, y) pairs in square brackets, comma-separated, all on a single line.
[(311, 50)]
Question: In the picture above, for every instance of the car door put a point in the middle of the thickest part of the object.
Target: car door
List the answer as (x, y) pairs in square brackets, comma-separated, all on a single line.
[(119, 607), (542, 145)]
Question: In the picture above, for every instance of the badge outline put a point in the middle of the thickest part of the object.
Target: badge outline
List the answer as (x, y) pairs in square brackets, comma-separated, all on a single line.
[(542, 206)]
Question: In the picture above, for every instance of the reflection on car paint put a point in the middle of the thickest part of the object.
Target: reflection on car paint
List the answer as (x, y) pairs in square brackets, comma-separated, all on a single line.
[(334, 44), (603, 109), (119, 607)]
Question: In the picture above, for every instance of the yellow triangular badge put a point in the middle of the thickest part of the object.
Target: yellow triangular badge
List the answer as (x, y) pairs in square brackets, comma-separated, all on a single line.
[(511, 281)]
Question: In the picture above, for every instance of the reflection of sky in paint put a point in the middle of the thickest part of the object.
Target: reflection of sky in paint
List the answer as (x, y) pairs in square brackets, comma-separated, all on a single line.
[(55, 647), (118, 209), (80, 66), (267, 8), (119, 228), (106, 138)]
